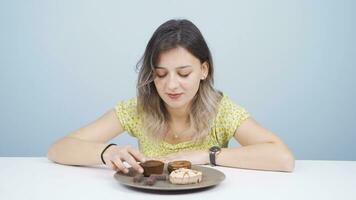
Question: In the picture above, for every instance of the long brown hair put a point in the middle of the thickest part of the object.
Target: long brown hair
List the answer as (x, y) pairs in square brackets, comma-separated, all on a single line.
[(150, 106)]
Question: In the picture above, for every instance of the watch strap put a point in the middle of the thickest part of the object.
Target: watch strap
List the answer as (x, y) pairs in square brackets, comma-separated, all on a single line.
[(212, 156)]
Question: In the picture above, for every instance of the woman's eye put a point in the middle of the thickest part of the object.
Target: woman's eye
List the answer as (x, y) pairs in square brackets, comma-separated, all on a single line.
[(184, 75), (160, 75)]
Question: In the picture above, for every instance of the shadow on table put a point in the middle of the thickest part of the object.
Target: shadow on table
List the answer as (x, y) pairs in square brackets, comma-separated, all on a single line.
[(170, 192)]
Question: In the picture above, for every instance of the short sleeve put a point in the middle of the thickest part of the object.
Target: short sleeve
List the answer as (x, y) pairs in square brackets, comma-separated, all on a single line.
[(126, 112), (230, 116)]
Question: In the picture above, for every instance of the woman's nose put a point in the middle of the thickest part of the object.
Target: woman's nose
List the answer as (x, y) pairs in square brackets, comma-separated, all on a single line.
[(172, 83)]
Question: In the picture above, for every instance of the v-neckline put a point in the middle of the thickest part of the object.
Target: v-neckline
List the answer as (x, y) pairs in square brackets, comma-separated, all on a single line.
[(179, 143)]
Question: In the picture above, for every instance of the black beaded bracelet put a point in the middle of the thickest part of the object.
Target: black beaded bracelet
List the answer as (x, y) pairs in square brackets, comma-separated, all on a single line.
[(102, 153)]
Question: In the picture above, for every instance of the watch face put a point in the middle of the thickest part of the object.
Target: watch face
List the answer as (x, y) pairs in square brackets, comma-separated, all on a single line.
[(215, 149)]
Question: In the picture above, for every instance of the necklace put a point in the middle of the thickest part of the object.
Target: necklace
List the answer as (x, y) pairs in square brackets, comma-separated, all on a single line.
[(177, 135), (176, 132)]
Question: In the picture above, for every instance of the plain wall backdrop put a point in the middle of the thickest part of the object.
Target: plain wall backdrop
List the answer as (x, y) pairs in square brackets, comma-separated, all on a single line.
[(291, 64)]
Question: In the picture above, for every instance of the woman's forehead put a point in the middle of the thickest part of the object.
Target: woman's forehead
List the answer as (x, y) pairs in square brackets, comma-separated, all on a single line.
[(178, 67), (175, 58)]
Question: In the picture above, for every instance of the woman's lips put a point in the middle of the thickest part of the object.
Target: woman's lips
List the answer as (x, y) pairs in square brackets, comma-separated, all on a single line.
[(175, 96)]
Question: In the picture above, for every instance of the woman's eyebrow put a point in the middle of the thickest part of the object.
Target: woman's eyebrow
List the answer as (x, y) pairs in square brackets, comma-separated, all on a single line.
[(180, 67)]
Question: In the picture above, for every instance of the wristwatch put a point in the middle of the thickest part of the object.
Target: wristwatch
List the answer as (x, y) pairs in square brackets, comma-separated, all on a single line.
[(213, 151)]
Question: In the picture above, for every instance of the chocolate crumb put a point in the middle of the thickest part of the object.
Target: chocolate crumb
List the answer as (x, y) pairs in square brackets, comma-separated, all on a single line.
[(150, 180), (138, 178), (159, 177)]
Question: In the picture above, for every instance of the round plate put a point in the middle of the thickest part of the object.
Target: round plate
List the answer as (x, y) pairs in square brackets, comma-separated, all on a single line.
[(210, 178)]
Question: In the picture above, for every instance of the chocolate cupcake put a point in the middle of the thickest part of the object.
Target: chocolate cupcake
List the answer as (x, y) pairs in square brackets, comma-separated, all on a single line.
[(179, 164), (152, 167)]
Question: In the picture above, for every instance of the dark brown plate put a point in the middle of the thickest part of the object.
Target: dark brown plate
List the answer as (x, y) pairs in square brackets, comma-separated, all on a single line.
[(210, 178)]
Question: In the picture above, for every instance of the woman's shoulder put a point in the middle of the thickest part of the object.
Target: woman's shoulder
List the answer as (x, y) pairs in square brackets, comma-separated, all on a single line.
[(126, 111), (226, 102), (227, 108), (127, 107), (229, 117), (129, 102)]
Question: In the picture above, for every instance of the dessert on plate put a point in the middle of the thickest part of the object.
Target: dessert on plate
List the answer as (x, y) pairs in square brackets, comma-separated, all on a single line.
[(152, 167), (178, 164), (184, 176)]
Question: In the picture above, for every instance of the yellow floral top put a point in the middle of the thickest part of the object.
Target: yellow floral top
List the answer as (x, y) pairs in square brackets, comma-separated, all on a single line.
[(228, 119)]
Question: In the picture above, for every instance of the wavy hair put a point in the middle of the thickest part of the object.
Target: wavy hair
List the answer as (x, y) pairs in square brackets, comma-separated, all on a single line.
[(155, 117)]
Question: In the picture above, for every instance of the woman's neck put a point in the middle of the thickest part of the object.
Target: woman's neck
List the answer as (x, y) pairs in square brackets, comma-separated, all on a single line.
[(179, 114)]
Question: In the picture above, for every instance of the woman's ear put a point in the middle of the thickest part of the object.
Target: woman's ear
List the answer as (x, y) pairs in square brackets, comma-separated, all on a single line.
[(205, 70)]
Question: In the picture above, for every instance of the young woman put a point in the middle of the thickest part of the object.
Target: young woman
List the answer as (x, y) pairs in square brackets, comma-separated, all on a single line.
[(177, 115)]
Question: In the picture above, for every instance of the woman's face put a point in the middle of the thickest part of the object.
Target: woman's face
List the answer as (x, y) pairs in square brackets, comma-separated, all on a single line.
[(177, 77)]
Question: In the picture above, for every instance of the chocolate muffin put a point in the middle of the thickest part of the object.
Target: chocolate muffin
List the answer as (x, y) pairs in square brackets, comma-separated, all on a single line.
[(179, 164), (152, 167)]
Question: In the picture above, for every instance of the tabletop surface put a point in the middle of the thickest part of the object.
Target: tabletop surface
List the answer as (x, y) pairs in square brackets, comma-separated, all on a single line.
[(38, 178)]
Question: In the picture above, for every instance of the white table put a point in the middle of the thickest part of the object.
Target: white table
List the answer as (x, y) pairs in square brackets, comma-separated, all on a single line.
[(38, 178)]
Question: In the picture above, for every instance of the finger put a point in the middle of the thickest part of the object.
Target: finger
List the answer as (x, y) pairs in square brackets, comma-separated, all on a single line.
[(111, 165), (131, 161), (114, 167), (137, 155), (120, 165)]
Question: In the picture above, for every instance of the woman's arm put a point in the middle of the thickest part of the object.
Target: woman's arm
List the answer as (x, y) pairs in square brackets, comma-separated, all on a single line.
[(260, 149), (84, 146)]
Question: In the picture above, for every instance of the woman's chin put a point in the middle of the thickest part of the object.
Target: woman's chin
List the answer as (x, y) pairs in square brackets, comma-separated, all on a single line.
[(175, 104)]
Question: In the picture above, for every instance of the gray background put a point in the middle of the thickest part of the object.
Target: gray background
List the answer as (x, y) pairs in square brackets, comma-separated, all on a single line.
[(290, 63)]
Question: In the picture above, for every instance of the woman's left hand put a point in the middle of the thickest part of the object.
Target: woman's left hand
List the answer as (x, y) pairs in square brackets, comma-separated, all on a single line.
[(196, 157)]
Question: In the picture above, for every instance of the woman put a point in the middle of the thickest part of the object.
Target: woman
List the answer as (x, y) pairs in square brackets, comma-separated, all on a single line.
[(177, 114)]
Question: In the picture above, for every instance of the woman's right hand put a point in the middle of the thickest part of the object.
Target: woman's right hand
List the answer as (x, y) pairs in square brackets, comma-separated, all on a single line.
[(115, 156)]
